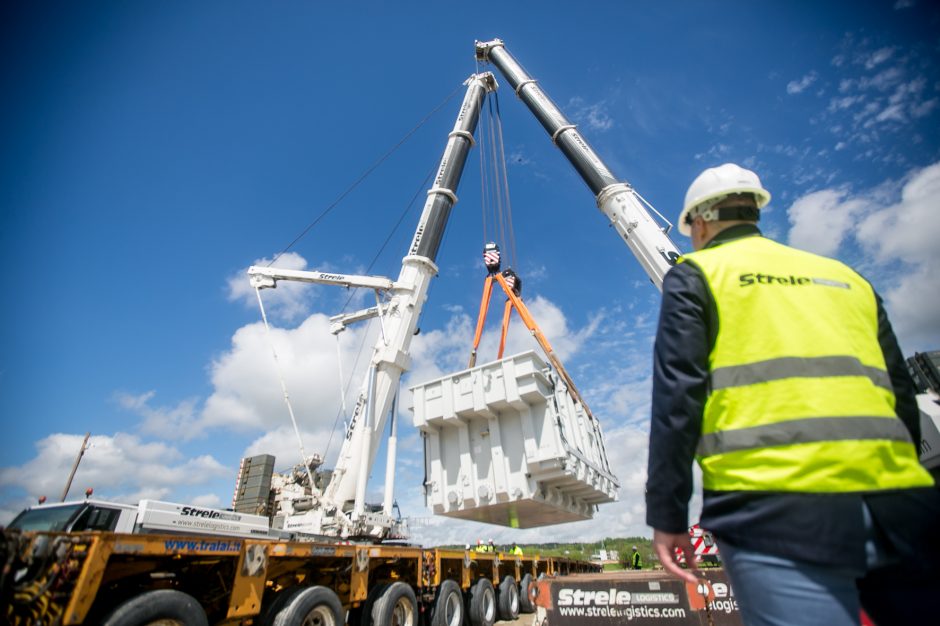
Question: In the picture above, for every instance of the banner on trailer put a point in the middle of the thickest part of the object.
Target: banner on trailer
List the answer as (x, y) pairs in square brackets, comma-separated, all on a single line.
[(660, 600)]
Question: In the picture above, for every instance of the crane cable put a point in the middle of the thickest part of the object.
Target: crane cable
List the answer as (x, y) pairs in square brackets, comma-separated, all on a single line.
[(365, 175), (280, 375), (494, 181)]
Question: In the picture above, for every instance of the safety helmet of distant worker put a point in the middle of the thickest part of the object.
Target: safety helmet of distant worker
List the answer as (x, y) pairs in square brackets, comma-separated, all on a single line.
[(714, 185), (634, 548)]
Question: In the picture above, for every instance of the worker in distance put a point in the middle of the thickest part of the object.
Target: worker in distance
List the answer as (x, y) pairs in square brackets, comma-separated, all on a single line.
[(779, 372)]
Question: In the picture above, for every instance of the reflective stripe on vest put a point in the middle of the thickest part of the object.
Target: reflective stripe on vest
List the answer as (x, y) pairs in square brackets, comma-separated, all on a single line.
[(799, 395), (795, 367), (810, 430)]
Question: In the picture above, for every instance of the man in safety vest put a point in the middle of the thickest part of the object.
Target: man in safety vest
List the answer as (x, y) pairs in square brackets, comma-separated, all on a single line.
[(635, 559), (778, 371), (516, 550)]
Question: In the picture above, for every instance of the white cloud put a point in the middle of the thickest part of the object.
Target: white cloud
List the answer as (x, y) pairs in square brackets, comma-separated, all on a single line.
[(893, 112), (899, 232), (838, 104), (595, 115), (247, 392), (878, 57), (883, 80), (281, 442), (820, 220), (176, 422), (923, 108), (120, 467), (798, 86)]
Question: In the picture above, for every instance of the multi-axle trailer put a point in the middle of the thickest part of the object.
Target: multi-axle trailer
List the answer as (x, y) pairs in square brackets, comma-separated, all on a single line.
[(134, 579)]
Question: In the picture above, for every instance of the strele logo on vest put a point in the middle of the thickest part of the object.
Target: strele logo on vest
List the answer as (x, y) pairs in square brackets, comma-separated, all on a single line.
[(746, 280)]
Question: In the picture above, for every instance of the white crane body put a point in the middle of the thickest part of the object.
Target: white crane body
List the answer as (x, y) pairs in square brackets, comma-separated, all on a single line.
[(340, 509)]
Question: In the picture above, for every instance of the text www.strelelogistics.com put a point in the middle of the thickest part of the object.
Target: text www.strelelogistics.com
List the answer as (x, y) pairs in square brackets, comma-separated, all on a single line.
[(628, 613)]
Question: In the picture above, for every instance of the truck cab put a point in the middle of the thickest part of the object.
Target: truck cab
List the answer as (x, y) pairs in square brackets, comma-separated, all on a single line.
[(77, 516)]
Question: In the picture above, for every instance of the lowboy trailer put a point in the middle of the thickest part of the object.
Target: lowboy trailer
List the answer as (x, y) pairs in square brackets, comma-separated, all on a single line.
[(131, 579)]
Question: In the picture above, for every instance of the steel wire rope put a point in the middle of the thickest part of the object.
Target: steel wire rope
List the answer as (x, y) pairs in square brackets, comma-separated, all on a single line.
[(364, 175), (385, 243), (496, 183), (501, 164), (280, 376), (481, 142), (493, 183)]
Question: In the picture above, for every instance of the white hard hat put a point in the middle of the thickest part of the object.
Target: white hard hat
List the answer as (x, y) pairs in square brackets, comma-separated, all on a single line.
[(714, 185)]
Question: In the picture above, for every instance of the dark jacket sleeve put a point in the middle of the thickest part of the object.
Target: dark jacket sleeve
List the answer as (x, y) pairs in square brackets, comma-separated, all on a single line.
[(904, 392), (680, 384)]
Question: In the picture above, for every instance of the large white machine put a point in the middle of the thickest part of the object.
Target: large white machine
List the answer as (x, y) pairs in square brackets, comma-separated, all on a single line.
[(502, 480)]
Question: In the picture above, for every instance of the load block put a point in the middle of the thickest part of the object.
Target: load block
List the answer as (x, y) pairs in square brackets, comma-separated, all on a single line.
[(505, 443)]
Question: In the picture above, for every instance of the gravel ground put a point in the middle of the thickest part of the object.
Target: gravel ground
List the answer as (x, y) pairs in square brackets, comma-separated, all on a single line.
[(524, 620)]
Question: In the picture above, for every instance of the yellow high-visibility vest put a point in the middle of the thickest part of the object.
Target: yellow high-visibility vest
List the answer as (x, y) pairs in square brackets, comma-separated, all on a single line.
[(799, 395)]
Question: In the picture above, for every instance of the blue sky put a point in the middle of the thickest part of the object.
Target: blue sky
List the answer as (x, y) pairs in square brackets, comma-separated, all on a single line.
[(153, 151)]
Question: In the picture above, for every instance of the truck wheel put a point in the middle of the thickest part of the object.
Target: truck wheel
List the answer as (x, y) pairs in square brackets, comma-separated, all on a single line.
[(482, 610), (271, 606), (164, 606), (448, 605), (313, 606), (525, 595), (508, 599), (396, 606)]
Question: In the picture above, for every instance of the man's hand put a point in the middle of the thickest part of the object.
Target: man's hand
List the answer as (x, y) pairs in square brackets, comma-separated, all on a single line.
[(665, 544)]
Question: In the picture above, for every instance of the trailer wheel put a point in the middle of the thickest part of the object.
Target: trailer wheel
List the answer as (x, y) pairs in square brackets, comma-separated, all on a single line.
[(482, 603), (163, 606), (526, 605), (271, 606), (508, 599), (395, 606), (313, 606), (448, 607)]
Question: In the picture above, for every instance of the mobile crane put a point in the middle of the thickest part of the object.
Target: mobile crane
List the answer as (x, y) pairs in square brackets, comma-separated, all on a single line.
[(131, 579)]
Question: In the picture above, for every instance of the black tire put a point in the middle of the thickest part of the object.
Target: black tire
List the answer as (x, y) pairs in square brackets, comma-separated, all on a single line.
[(272, 605), (482, 609), (448, 607), (508, 600), (168, 605), (396, 606), (313, 606), (526, 586)]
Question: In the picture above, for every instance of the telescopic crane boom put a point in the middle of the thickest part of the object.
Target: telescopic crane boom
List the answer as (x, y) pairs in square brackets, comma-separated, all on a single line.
[(616, 199)]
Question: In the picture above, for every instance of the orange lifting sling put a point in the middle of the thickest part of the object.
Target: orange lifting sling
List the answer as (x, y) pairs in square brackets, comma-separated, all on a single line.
[(512, 286)]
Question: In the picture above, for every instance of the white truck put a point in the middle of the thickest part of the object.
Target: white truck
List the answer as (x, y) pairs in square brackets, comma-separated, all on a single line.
[(149, 516)]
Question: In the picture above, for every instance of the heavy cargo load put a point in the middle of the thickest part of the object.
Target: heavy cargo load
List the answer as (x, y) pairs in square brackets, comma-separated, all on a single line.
[(505, 443)]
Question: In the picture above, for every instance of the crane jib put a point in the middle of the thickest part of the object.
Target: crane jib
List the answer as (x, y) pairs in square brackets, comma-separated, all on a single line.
[(649, 242)]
